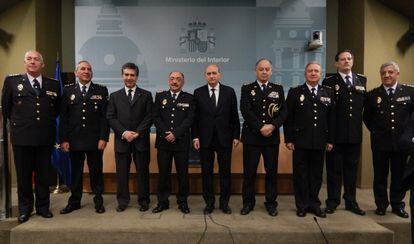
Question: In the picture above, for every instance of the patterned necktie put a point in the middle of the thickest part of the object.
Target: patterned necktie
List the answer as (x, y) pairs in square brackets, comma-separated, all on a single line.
[(348, 80), (130, 95), (263, 87), (83, 91), (36, 86), (213, 98), (313, 90), (174, 96)]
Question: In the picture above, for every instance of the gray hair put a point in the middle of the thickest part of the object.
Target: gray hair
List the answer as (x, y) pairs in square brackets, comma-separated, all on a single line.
[(34, 51), (313, 62), (390, 63), (80, 62)]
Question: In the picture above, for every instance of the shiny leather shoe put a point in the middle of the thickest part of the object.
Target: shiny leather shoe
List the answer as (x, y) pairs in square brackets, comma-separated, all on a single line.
[(401, 213), (69, 208), (354, 208), (301, 213), (159, 208), (318, 212), (246, 210), (99, 208), (23, 218), (329, 210), (208, 209), (45, 214), (121, 208), (380, 211), (143, 207), (184, 208), (272, 211), (226, 209)]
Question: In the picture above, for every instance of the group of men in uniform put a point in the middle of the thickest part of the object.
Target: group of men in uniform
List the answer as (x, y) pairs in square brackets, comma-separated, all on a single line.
[(318, 119)]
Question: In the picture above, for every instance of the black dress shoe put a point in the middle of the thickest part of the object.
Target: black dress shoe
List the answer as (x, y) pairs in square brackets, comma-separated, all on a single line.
[(246, 210), (380, 211), (69, 208), (23, 218), (121, 208), (400, 212), (226, 209), (208, 209), (99, 208), (45, 214), (143, 207), (301, 213), (272, 211), (184, 208), (318, 212), (329, 210), (354, 208), (159, 208)]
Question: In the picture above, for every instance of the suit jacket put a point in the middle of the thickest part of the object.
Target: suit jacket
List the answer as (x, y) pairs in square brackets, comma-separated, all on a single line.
[(83, 119), (135, 116), (32, 117), (349, 105), (385, 118), (259, 108), (310, 123), (222, 120), (175, 116)]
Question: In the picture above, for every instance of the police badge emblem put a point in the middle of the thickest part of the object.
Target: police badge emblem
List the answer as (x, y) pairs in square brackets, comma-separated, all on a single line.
[(379, 100), (164, 101), (20, 87), (302, 98), (72, 97), (253, 92), (336, 87)]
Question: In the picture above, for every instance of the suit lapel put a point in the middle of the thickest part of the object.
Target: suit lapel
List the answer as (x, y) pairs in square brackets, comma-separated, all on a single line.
[(207, 99), (29, 86), (89, 93), (137, 94)]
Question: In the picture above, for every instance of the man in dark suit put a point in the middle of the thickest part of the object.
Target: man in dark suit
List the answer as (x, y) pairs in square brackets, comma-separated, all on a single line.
[(308, 133), (342, 161), (264, 111), (216, 129), (30, 103), (386, 113), (173, 116), (129, 115), (84, 132)]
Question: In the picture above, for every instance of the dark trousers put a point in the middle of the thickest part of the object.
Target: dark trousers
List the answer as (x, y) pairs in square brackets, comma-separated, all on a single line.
[(165, 158), (207, 155), (29, 159), (307, 177), (251, 157), (95, 164), (123, 163), (342, 165), (382, 162)]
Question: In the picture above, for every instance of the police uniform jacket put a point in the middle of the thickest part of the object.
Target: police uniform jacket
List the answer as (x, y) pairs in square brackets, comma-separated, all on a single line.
[(310, 122), (83, 119), (385, 118), (259, 108), (349, 104), (32, 117), (135, 116), (176, 117)]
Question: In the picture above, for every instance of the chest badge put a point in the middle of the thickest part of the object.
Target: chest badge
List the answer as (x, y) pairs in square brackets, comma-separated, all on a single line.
[(20, 87), (72, 97), (379, 100), (164, 102), (302, 98), (253, 92), (336, 87)]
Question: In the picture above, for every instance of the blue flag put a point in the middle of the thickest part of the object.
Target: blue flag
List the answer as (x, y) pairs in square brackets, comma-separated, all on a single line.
[(60, 159)]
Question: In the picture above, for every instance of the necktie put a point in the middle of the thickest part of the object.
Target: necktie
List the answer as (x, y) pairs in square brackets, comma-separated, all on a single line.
[(130, 95), (390, 93), (313, 90), (213, 98), (347, 80), (36, 86), (263, 87), (174, 96), (83, 91)]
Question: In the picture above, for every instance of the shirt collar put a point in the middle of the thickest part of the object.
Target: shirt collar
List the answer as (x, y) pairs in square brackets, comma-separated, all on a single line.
[(31, 78), (87, 85), (217, 88), (127, 89), (177, 93), (260, 83), (393, 87), (343, 75)]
